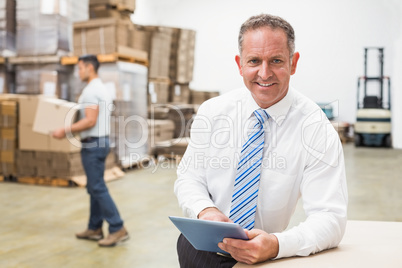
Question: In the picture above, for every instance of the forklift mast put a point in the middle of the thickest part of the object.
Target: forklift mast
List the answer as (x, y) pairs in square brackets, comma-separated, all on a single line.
[(374, 101)]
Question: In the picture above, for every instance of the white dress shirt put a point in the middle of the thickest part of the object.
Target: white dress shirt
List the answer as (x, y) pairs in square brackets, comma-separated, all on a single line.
[(302, 157)]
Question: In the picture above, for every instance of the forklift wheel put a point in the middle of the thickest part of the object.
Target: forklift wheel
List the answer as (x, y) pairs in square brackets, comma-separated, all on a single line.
[(388, 141), (358, 140)]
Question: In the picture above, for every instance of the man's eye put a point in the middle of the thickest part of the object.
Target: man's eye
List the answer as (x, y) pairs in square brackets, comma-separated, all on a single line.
[(277, 61), (254, 61)]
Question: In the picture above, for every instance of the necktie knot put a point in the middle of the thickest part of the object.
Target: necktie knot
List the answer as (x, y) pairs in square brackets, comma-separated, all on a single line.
[(261, 116)]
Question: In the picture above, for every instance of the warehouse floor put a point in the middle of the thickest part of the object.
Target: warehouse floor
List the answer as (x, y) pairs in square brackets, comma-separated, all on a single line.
[(37, 223)]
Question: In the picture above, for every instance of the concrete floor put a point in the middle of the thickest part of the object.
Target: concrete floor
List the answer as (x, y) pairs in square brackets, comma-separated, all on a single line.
[(37, 223)]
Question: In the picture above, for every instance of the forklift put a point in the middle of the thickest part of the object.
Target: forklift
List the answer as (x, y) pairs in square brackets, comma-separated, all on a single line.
[(373, 122)]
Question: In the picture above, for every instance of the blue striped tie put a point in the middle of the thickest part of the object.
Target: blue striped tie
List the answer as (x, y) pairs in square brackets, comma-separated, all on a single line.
[(247, 182)]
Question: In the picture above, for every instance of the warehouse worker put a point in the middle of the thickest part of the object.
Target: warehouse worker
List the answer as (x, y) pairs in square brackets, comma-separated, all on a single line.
[(254, 151), (94, 126)]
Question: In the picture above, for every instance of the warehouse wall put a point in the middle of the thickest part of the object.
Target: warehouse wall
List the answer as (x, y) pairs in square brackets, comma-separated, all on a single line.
[(330, 36)]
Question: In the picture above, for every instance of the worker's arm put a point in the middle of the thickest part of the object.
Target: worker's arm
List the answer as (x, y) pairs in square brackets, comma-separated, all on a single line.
[(89, 121)]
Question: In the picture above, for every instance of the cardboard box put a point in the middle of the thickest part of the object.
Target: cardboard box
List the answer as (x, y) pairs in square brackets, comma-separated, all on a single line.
[(32, 141), (198, 97), (48, 83), (7, 156), (100, 36), (123, 4), (52, 114), (107, 11), (65, 145), (158, 92), (8, 169), (8, 145), (28, 106), (180, 93), (172, 147), (8, 133), (160, 130)]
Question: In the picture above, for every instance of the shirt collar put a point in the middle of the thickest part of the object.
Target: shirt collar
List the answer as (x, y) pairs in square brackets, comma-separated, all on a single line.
[(277, 112)]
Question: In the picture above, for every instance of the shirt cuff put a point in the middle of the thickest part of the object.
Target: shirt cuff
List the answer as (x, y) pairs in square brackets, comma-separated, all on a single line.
[(200, 206), (288, 245)]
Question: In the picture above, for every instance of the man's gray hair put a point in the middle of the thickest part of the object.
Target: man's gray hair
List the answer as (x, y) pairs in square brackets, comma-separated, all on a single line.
[(266, 20)]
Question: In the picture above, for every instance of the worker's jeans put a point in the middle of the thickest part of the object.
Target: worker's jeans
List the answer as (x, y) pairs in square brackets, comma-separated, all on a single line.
[(102, 207)]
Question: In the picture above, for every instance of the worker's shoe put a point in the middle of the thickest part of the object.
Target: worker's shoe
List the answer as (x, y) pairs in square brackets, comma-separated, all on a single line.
[(91, 234), (114, 238)]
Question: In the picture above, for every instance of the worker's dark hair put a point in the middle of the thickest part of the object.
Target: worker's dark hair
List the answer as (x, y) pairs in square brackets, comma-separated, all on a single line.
[(266, 20), (90, 59)]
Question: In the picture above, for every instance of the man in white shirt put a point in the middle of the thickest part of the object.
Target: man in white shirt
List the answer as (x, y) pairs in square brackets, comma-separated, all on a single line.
[(302, 157), (94, 128)]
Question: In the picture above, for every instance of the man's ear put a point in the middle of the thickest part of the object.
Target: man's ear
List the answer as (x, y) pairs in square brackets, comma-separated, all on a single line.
[(295, 59), (238, 61)]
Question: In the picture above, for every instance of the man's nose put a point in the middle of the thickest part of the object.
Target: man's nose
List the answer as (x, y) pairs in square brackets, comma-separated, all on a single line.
[(264, 72)]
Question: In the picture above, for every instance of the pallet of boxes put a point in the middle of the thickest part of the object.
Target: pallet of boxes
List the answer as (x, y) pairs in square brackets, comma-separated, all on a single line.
[(43, 89), (124, 71), (171, 61), (43, 159), (8, 136), (171, 107)]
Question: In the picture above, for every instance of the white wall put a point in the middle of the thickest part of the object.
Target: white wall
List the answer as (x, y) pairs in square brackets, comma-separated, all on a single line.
[(330, 36)]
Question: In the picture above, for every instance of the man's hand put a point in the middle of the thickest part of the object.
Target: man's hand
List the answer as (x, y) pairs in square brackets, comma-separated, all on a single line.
[(213, 214), (59, 133), (261, 247)]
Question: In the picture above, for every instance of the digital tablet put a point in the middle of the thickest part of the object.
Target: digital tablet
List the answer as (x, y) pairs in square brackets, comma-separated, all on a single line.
[(205, 235)]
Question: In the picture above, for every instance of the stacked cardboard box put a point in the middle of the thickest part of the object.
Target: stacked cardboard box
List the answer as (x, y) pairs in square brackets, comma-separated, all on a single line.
[(141, 38), (159, 51), (38, 117), (106, 36), (157, 42), (118, 4), (182, 116), (129, 132), (111, 8), (158, 131), (158, 92), (173, 147), (78, 10), (171, 60), (53, 164), (182, 56), (198, 97), (100, 36), (42, 28), (7, 27), (180, 93), (8, 136), (50, 79), (158, 111)]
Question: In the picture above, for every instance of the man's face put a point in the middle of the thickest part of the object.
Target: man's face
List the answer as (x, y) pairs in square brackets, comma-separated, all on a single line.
[(83, 71), (266, 66)]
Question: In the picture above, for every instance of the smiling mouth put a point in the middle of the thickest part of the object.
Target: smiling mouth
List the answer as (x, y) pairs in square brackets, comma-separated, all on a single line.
[(265, 85)]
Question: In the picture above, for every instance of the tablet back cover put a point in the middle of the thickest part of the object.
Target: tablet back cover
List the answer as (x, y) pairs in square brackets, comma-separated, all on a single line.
[(205, 235)]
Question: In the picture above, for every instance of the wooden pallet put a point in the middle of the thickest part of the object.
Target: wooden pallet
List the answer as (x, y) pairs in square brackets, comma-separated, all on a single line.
[(123, 54), (46, 181), (135, 164), (34, 59), (71, 60)]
